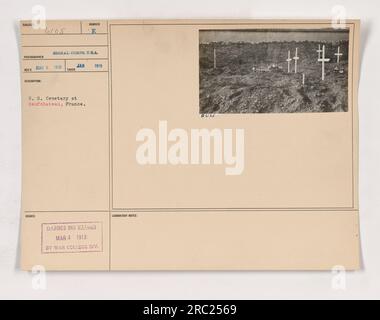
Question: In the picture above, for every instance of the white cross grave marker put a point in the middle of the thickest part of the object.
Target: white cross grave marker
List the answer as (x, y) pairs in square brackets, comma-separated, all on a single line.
[(296, 58), (319, 51), (338, 55), (323, 59), (214, 58), (289, 60), (303, 79)]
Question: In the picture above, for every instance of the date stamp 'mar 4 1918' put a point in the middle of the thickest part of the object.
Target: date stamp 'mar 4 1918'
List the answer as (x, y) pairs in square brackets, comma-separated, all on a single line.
[(71, 237)]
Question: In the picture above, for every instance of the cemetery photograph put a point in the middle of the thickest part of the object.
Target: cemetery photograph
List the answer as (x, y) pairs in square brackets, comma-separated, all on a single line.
[(273, 71)]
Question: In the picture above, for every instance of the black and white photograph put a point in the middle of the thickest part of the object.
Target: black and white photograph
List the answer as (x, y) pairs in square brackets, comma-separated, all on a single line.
[(273, 71)]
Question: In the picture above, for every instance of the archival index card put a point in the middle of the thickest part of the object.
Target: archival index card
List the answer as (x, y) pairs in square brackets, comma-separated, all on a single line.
[(190, 145)]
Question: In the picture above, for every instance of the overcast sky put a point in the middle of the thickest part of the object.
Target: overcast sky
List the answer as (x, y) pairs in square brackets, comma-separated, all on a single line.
[(256, 36)]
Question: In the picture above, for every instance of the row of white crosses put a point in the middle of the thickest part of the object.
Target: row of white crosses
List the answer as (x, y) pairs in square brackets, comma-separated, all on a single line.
[(295, 58), (322, 58)]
